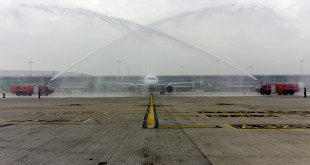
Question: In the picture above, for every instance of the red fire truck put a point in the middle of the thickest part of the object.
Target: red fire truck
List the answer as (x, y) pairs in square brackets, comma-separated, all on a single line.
[(24, 90), (272, 88)]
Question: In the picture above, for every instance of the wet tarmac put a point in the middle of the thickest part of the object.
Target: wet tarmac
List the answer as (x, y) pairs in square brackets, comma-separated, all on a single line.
[(201, 128)]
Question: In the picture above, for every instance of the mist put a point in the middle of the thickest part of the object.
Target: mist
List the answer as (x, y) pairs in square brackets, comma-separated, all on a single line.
[(244, 35)]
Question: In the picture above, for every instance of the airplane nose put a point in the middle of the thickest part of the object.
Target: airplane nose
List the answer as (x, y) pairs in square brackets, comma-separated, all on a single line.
[(152, 86)]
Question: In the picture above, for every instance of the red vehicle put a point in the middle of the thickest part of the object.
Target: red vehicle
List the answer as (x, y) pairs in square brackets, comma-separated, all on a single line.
[(24, 90), (271, 88)]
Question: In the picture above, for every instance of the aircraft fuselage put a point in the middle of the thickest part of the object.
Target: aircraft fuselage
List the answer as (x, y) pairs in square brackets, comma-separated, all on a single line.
[(150, 82)]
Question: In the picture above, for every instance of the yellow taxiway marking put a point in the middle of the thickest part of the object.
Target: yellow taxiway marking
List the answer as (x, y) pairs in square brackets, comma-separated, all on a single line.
[(172, 112), (151, 117), (257, 112), (189, 126), (129, 112), (119, 120), (144, 112), (64, 113), (45, 121), (268, 126), (177, 116), (242, 115)]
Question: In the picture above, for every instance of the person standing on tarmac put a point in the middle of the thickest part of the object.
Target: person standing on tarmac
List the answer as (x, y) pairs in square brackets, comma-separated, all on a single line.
[(39, 93), (3, 94), (305, 92)]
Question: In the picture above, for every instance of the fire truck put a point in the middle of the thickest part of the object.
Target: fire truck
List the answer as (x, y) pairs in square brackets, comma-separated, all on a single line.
[(279, 88), (24, 90)]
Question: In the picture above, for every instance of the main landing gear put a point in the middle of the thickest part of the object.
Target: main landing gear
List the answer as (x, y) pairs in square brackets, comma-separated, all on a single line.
[(138, 91), (162, 92)]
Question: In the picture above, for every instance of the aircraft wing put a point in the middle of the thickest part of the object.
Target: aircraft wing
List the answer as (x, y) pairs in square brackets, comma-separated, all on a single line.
[(176, 83), (181, 83), (118, 83)]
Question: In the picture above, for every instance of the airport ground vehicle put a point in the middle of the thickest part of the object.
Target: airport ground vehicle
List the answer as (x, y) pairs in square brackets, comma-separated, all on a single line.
[(279, 88), (24, 90)]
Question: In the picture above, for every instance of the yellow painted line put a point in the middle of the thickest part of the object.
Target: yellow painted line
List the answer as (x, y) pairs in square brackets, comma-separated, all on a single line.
[(4, 125), (65, 113), (144, 112), (269, 126), (233, 112), (172, 112), (87, 120), (151, 117), (129, 112), (189, 126), (256, 112), (177, 112), (231, 126), (119, 120), (242, 116), (177, 116), (46, 121)]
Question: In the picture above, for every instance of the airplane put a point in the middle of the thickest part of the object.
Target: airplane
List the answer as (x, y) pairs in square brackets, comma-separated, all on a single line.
[(150, 84)]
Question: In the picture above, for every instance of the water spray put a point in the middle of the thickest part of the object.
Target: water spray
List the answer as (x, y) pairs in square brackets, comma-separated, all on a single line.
[(125, 24)]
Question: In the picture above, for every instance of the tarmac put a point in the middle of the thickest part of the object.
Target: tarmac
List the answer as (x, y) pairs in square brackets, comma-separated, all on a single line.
[(194, 128)]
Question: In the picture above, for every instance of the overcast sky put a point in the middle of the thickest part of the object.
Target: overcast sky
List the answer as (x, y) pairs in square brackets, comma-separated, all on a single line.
[(156, 36)]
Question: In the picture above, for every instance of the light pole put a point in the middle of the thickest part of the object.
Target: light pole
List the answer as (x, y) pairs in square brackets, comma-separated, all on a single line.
[(301, 70), (251, 69), (217, 67), (30, 62), (118, 62), (181, 69), (128, 69)]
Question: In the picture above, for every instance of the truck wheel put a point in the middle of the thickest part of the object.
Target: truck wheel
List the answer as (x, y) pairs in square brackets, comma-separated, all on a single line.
[(279, 93), (285, 92), (291, 92), (29, 94)]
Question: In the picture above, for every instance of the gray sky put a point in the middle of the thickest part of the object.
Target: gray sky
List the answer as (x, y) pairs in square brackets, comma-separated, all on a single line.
[(271, 36)]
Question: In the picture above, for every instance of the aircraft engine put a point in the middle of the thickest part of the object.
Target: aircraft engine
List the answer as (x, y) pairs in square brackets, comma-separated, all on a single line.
[(132, 88), (169, 88)]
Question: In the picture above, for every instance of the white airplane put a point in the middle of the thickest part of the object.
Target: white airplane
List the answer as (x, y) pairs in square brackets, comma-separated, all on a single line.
[(150, 84)]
